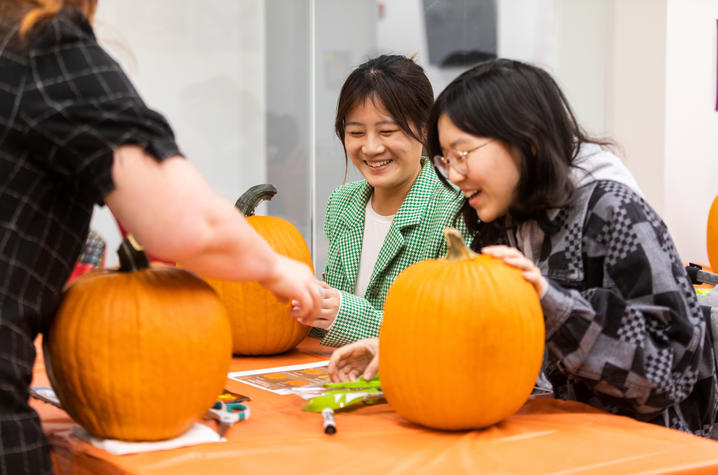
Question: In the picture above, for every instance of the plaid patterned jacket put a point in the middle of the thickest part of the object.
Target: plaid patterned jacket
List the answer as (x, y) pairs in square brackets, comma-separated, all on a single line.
[(415, 234), (65, 106), (624, 330)]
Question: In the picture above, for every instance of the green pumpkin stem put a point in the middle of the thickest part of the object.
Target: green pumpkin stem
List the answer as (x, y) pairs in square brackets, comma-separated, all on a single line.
[(132, 256), (251, 198), (457, 247)]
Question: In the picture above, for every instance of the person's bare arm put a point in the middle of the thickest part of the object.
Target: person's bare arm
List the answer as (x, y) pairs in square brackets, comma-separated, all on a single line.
[(175, 215)]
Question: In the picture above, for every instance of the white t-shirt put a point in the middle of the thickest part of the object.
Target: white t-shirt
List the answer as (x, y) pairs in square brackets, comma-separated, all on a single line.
[(376, 228)]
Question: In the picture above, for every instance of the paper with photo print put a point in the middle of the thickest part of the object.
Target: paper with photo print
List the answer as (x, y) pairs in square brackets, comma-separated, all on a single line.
[(284, 379)]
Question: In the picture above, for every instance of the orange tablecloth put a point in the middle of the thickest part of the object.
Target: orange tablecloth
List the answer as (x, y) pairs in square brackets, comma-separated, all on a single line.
[(546, 436)]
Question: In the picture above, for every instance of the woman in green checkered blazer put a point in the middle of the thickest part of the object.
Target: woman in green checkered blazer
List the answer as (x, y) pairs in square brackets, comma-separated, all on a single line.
[(394, 217)]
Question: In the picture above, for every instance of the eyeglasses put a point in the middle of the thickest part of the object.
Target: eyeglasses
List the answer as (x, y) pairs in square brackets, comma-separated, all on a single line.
[(455, 159)]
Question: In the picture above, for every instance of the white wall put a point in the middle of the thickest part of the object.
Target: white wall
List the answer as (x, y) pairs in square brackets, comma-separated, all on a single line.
[(635, 86), (580, 65), (401, 30), (691, 123), (525, 29), (201, 64), (567, 37), (345, 36), (288, 103)]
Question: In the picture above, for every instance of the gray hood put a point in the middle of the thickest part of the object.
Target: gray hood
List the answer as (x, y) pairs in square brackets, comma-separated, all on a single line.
[(594, 163), (591, 164)]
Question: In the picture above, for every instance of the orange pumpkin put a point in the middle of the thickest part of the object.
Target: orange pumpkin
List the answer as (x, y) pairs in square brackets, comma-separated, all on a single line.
[(461, 341), (712, 236), (261, 324), (139, 353)]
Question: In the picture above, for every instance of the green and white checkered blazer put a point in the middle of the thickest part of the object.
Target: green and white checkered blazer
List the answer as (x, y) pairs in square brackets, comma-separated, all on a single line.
[(415, 234)]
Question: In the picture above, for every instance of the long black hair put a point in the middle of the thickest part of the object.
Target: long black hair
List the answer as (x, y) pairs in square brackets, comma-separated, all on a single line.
[(399, 84), (522, 106)]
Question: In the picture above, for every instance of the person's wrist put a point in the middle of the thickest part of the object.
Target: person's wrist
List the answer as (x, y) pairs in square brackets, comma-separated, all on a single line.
[(273, 270), (543, 287)]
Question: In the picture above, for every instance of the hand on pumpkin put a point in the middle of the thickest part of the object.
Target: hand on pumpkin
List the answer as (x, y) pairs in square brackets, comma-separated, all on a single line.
[(360, 358), (294, 280), (515, 258)]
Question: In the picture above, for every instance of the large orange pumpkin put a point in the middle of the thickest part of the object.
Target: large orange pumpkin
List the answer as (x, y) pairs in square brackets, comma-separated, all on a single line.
[(712, 236), (461, 341), (139, 353), (261, 324)]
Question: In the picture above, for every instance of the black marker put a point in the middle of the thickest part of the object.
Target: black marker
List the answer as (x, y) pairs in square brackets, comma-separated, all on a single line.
[(329, 425)]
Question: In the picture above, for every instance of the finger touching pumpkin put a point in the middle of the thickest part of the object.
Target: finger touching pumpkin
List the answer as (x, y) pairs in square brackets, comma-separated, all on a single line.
[(462, 340)]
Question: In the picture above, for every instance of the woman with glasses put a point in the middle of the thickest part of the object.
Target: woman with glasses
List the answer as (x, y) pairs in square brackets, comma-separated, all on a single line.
[(392, 218), (624, 332)]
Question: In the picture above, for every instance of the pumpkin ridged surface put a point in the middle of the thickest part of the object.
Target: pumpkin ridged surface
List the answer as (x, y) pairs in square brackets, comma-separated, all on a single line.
[(712, 236), (140, 355), (461, 342), (261, 324)]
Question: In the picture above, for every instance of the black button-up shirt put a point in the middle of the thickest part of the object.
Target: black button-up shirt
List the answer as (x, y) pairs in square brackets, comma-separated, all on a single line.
[(65, 106)]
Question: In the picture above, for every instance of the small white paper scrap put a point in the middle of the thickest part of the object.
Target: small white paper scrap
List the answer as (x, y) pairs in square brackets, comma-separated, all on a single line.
[(197, 434)]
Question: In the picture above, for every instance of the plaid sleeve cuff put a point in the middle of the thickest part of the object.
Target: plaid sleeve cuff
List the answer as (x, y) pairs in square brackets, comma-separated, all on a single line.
[(556, 306), (356, 319)]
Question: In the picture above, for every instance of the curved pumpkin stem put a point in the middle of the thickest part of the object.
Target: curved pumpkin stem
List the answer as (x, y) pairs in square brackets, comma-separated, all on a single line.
[(251, 198), (132, 256), (457, 247)]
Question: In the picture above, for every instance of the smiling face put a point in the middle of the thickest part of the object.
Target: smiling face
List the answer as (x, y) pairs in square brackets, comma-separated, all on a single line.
[(491, 181), (387, 158)]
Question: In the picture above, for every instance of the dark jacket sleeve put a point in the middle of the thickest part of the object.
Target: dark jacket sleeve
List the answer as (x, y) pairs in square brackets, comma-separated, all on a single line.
[(79, 107), (635, 334)]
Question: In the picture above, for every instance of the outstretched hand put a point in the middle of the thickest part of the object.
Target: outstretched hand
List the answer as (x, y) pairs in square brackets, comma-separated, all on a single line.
[(294, 280), (360, 358)]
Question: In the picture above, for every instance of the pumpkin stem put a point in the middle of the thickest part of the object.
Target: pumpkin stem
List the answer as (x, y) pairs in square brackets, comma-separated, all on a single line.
[(251, 198), (457, 247), (132, 256)]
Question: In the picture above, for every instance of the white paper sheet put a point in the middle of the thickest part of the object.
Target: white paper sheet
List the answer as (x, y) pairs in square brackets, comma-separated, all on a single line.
[(284, 379)]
